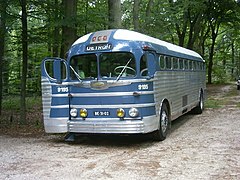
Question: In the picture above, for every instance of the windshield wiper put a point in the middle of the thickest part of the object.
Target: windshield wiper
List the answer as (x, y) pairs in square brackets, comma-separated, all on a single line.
[(123, 69), (76, 74)]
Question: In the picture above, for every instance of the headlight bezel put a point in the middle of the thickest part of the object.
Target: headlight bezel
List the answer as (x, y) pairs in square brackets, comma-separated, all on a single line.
[(73, 112), (120, 113), (83, 113), (133, 112)]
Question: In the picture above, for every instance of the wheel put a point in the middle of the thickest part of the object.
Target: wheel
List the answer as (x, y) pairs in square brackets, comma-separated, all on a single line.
[(164, 123), (199, 108)]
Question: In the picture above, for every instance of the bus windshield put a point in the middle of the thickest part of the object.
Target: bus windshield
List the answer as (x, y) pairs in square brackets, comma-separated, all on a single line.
[(114, 65)]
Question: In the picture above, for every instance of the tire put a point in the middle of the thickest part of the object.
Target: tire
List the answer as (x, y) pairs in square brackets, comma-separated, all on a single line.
[(199, 108), (164, 123)]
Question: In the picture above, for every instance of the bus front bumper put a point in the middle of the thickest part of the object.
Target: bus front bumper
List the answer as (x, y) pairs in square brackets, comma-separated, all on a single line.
[(145, 125)]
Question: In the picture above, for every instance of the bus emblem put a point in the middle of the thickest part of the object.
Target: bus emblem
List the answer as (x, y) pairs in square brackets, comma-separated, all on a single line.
[(98, 85)]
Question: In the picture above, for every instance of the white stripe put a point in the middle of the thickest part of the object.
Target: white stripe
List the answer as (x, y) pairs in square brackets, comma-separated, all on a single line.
[(103, 94), (104, 106), (111, 106)]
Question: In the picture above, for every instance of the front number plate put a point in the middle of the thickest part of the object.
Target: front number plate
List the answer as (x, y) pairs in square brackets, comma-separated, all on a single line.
[(101, 113)]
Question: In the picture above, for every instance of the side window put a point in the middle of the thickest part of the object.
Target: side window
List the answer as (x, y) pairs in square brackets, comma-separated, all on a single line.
[(195, 65), (168, 61), (180, 63), (190, 65), (162, 62), (175, 63), (143, 66), (55, 69), (185, 64), (49, 68)]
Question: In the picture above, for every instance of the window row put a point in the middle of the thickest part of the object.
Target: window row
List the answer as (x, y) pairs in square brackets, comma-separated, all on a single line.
[(173, 63)]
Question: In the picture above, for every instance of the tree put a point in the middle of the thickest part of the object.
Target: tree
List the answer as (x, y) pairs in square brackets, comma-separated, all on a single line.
[(3, 7), (56, 29), (217, 13), (24, 61), (69, 29), (114, 14), (136, 22)]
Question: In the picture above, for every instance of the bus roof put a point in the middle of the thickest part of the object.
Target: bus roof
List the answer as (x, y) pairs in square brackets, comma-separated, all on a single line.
[(159, 45)]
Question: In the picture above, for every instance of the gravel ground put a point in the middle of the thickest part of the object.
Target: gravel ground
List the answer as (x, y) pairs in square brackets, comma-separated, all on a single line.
[(205, 146)]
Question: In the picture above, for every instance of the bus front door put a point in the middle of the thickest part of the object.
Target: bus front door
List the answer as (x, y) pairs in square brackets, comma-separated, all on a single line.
[(55, 92)]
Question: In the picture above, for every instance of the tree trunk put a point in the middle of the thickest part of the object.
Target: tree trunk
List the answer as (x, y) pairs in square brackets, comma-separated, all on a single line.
[(24, 62), (148, 16), (194, 30), (210, 62), (114, 14), (56, 31), (69, 29), (3, 8), (233, 59), (136, 15), (182, 32)]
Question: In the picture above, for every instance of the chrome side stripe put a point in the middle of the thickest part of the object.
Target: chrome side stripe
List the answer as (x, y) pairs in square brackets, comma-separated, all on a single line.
[(106, 106), (103, 94)]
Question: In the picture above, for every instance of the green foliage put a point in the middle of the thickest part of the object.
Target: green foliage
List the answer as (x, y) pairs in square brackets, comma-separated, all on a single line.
[(213, 103), (173, 21), (13, 103), (220, 75)]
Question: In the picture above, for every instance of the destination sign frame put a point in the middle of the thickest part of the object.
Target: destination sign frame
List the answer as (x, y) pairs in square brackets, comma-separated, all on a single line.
[(98, 47)]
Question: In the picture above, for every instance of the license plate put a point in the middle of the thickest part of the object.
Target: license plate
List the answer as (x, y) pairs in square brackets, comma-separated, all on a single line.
[(101, 113)]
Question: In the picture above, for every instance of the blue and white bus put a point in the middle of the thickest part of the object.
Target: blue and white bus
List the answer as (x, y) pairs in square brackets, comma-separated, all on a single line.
[(121, 82)]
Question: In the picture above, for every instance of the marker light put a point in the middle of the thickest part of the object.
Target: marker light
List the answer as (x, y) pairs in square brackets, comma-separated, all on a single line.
[(94, 39), (73, 112), (133, 112), (120, 112), (83, 113)]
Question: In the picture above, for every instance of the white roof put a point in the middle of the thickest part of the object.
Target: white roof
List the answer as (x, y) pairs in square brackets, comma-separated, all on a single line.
[(122, 34), (82, 39)]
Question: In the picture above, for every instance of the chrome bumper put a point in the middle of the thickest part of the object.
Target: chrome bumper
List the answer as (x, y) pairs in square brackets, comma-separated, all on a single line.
[(145, 125)]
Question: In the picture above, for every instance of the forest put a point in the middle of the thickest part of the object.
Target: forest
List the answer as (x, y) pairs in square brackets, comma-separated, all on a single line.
[(31, 30)]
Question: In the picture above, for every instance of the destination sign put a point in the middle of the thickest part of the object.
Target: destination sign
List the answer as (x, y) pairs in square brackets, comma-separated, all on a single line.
[(98, 47)]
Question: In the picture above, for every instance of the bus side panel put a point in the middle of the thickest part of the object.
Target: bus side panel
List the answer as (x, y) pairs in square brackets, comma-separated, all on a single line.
[(51, 124), (180, 88), (173, 86)]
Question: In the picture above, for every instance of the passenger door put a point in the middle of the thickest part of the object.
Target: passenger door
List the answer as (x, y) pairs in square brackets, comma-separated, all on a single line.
[(55, 92)]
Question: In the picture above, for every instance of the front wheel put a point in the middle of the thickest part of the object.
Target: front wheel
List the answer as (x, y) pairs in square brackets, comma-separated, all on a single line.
[(164, 123)]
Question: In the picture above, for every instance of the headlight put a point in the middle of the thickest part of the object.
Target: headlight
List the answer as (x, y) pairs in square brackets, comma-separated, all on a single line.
[(73, 112), (133, 112), (120, 112), (83, 113)]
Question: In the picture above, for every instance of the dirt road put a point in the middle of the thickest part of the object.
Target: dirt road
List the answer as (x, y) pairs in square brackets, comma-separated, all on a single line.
[(205, 146)]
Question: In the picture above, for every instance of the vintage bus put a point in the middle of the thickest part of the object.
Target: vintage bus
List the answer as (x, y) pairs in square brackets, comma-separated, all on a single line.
[(121, 82)]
